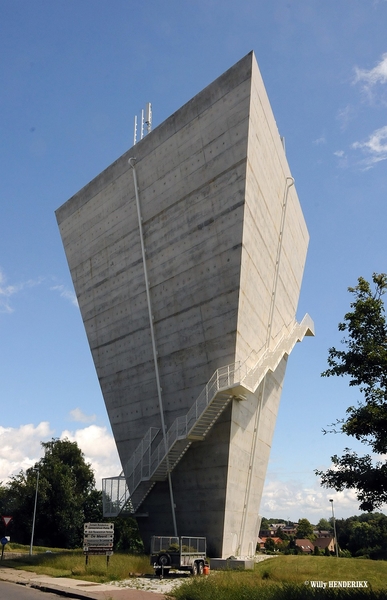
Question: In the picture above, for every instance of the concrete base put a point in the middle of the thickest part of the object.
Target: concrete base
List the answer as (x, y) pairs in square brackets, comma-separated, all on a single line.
[(235, 564)]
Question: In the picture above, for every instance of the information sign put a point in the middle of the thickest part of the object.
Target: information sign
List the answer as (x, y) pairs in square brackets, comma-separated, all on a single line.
[(98, 543), (99, 526), (98, 539)]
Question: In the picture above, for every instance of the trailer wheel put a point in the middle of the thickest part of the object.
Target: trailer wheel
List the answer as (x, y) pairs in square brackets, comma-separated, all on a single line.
[(200, 567), (164, 560), (195, 569)]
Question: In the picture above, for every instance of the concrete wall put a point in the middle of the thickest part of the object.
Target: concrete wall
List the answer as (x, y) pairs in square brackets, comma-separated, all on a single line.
[(191, 176), (211, 183), (274, 245)]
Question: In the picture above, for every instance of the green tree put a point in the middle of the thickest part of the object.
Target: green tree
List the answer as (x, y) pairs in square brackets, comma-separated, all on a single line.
[(270, 544), (324, 525), (66, 497), (364, 535), (364, 360), (127, 536), (280, 534), (264, 523), (304, 530)]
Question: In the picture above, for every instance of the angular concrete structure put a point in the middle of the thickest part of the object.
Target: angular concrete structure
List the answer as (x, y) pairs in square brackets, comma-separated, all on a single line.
[(187, 263)]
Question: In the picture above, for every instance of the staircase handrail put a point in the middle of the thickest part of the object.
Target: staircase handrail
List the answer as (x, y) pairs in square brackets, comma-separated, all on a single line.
[(223, 378)]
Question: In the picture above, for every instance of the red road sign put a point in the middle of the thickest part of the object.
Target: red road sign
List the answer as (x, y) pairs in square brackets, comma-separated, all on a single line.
[(6, 520)]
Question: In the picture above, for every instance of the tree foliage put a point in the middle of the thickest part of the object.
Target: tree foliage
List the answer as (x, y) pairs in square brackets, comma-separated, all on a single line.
[(324, 525), (304, 530), (364, 361), (364, 535), (66, 496)]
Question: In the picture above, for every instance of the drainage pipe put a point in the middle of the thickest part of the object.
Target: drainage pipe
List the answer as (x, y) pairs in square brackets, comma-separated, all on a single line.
[(132, 162)]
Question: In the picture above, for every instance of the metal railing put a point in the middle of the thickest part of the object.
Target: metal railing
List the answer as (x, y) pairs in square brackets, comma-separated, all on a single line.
[(115, 495), (144, 463)]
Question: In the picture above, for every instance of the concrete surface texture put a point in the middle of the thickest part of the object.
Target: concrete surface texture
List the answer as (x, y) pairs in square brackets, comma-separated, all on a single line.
[(225, 244)]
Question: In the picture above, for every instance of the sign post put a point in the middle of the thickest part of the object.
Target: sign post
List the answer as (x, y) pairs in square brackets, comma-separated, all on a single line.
[(98, 540), (4, 540)]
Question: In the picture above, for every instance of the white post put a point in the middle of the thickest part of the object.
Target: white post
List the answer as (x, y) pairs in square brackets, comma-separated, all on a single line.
[(33, 518), (334, 529), (135, 131)]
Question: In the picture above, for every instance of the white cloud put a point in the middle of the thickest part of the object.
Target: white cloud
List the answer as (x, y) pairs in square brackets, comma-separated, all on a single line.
[(372, 80), (99, 448), (345, 115), (65, 293), (20, 448), (342, 158), (7, 291), (376, 75), (375, 147), (80, 417), (319, 141), (294, 500)]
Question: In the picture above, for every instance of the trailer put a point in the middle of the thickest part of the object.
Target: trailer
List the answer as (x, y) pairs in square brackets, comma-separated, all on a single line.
[(184, 553)]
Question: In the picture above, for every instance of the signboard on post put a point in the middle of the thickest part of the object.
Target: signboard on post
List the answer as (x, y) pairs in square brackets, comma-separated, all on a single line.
[(98, 540), (4, 540), (6, 520)]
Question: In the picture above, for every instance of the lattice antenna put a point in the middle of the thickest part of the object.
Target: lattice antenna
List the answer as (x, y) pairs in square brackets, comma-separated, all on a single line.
[(146, 119), (142, 123), (135, 131)]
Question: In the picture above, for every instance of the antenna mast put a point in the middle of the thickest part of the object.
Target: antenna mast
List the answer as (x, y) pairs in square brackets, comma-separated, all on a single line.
[(146, 119)]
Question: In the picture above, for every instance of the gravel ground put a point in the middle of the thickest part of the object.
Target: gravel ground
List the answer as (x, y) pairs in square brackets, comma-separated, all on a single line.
[(151, 583)]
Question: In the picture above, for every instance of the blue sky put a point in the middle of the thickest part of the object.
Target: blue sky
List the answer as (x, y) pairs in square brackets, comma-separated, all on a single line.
[(73, 75)]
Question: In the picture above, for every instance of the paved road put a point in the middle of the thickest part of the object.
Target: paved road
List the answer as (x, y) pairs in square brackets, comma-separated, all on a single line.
[(14, 591)]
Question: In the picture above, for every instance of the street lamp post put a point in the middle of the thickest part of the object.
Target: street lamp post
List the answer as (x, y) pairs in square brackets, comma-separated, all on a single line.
[(334, 529), (33, 518)]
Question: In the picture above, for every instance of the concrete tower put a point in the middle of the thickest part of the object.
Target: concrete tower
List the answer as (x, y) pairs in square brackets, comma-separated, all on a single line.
[(187, 256)]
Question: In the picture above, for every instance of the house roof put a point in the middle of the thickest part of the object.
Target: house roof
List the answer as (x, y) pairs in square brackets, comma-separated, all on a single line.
[(323, 542), (305, 545)]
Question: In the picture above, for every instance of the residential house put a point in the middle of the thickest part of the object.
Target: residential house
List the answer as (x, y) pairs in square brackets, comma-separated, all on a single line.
[(325, 542), (306, 546)]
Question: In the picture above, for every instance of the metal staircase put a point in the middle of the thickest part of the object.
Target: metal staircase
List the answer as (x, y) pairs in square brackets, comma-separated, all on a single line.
[(148, 464)]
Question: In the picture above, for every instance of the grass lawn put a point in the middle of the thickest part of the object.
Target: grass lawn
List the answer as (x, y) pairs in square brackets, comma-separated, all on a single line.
[(298, 569), (279, 578), (285, 577), (71, 563)]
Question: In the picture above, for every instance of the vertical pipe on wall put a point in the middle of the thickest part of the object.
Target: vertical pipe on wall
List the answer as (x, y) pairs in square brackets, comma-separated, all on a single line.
[(132, 162), (261, 394)]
